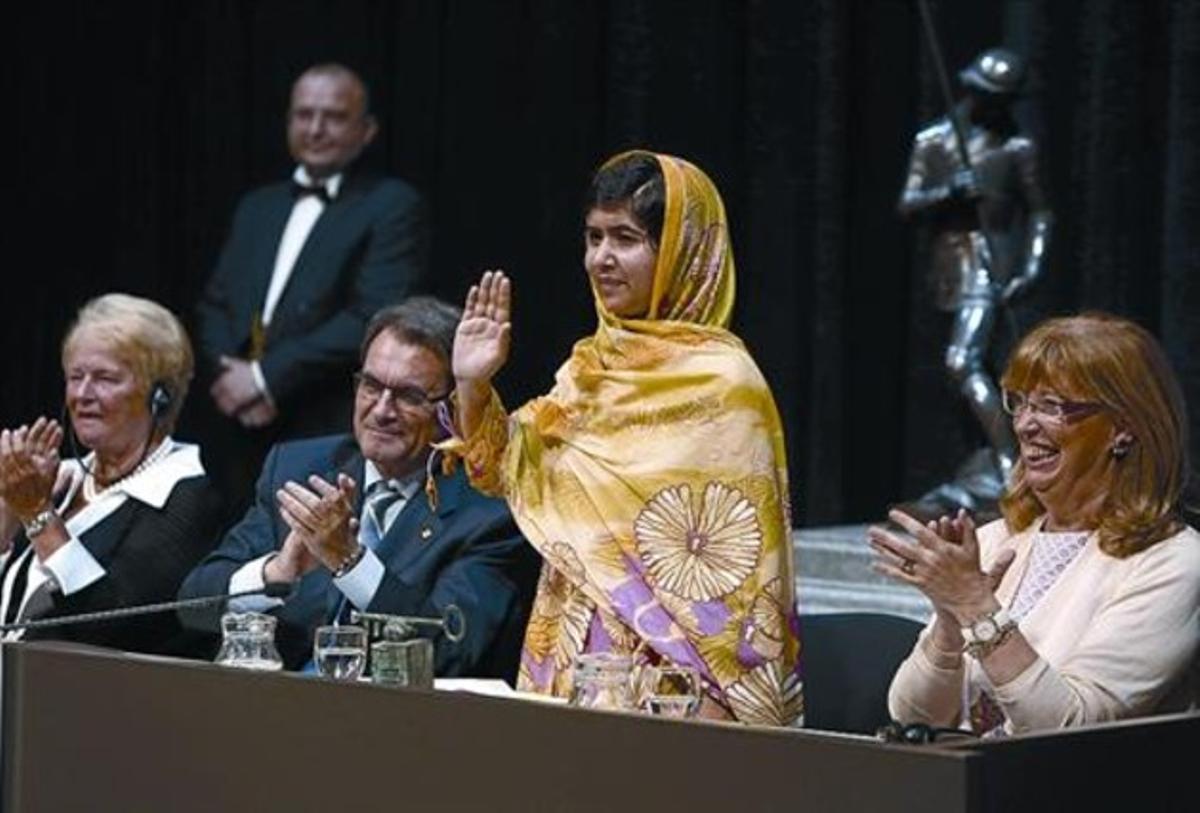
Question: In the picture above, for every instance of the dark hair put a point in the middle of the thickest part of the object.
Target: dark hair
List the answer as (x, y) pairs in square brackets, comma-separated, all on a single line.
[(636, 179), (421, 320)]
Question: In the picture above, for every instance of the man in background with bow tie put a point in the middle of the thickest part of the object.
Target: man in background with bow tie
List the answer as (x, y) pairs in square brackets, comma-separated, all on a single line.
[(306, 263), (348, 518)]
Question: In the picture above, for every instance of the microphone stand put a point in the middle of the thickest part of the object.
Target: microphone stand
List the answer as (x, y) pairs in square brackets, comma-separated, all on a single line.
[(274, 590)]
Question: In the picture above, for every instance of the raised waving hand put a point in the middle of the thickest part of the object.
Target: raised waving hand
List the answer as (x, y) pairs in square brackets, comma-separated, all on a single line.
[(481, 346), (482, 341)]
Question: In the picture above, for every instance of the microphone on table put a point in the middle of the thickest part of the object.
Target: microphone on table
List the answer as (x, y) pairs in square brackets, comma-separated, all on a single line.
[(919, 733), (270, 590)]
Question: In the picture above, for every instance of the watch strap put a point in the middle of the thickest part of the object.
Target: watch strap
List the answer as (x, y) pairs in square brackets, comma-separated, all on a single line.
[(981, 649)]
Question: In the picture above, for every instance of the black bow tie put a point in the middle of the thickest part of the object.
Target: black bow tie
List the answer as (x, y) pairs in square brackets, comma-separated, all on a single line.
[(299, 190)]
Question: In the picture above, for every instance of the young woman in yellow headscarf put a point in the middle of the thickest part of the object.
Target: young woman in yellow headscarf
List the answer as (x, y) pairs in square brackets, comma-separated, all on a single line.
[(652, 477)]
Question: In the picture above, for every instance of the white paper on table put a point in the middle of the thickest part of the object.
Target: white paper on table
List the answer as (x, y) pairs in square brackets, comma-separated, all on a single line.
[(489, 686), (492, 687)]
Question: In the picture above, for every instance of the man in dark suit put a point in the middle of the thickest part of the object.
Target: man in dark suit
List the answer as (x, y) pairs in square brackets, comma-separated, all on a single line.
[(306, 263), (349, 520)]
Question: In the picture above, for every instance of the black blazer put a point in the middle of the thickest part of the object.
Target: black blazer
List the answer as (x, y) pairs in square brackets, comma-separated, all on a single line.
[(146, 552), (467, 552), (367, 250)]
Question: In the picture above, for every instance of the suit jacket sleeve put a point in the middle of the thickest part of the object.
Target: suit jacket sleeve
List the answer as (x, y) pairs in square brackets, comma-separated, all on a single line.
[(215, 332), (491, 580), (254, 536), (392, 262)]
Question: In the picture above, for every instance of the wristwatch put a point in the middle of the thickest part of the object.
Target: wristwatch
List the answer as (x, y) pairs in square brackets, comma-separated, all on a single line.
[(352, 559), (40, 522), (986, 633)]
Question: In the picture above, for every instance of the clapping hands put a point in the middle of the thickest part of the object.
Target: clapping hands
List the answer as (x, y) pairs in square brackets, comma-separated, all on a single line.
[(29, 463), (942, 561), (322, 523)]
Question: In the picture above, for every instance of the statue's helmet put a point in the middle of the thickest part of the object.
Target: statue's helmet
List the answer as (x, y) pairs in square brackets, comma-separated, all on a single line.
[(996, 70)]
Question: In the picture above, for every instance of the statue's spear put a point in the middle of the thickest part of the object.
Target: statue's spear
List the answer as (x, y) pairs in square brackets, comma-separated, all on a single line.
[(960, 136)]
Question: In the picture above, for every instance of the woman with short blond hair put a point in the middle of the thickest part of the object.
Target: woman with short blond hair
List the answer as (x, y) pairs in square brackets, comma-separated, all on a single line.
[(125, 523)]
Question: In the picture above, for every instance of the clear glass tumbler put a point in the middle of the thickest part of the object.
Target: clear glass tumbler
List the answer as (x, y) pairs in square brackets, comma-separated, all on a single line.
[(340, 652), (667, 690), (602, 680)]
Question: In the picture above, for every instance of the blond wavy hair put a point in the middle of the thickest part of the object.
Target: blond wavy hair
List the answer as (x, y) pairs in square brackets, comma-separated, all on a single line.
[(1111, 361), (144, 335)]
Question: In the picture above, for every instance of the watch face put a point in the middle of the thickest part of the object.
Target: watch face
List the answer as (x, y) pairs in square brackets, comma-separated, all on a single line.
[(985, 629)]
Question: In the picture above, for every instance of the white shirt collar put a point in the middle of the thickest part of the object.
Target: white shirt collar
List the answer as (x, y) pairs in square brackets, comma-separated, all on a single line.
[(332, 184), (407, 486)]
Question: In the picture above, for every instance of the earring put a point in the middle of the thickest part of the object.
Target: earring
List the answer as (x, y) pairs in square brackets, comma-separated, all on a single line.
[(1120, 449)]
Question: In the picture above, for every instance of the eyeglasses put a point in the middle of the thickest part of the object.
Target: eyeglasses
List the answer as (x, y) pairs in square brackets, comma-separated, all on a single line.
[(1047, 407), (405, 395)]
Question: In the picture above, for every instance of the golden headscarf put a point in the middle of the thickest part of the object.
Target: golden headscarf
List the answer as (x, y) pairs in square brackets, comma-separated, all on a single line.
[(652, 479), (694, 275)]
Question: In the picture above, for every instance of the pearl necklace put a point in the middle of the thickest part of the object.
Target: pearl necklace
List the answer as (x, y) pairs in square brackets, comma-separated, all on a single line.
[(91, 492)]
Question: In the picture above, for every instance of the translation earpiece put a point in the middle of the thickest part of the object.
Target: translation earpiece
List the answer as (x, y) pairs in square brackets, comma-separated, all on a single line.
[(159, 400)]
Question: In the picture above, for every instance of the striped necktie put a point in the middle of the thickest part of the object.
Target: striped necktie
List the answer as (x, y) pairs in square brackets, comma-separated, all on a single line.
[(384, 494)]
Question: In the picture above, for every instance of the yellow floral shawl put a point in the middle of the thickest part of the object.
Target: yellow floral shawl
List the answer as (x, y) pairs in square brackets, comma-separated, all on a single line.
[(652, 479)]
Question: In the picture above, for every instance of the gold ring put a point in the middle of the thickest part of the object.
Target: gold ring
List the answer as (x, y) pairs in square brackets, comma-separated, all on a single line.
[(908, 567)]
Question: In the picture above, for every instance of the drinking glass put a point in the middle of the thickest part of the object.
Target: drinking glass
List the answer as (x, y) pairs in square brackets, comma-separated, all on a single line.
[(340, 652), (668, 690), (602, 681)]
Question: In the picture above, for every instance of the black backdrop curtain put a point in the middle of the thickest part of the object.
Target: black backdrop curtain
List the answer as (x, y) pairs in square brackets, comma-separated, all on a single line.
[(133, 126)]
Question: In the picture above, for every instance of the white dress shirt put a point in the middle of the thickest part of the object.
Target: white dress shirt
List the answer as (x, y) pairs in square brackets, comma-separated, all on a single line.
[(304, 216)]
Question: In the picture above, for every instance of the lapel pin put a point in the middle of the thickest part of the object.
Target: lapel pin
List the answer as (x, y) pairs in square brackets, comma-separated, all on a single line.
[(426, 532)]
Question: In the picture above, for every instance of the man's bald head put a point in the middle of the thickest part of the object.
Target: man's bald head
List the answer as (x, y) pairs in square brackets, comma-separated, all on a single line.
[(329, 120)]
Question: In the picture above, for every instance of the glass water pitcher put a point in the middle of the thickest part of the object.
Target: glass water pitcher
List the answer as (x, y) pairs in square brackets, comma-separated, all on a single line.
[(248, 642)]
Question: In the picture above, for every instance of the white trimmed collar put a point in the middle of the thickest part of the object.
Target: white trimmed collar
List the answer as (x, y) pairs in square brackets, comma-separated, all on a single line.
[(154, 485)]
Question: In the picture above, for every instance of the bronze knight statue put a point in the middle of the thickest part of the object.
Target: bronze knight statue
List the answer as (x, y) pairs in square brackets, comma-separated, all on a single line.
[(988, 224)]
